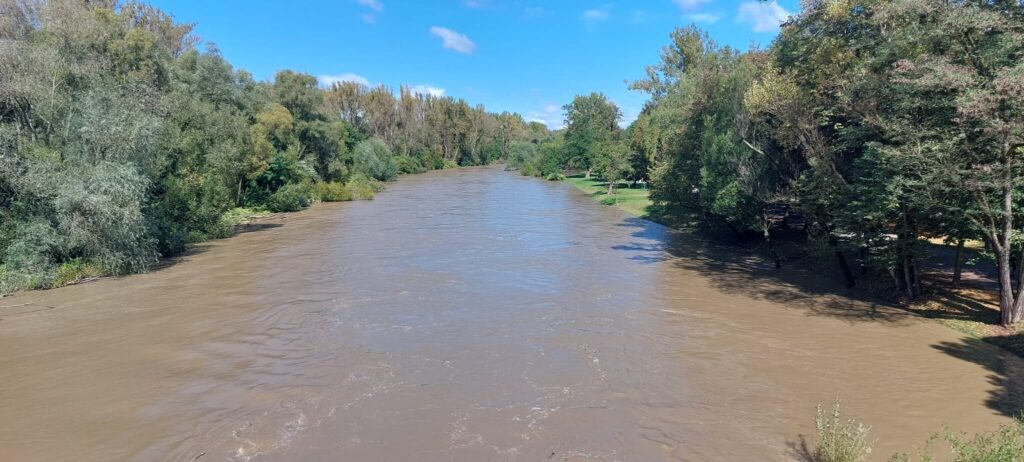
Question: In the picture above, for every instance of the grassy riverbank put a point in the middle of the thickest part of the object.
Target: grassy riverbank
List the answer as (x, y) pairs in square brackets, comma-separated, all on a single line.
[(635, 201)]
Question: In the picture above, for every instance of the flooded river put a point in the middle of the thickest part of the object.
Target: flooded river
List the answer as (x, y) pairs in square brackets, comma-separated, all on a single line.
[(472, 315)]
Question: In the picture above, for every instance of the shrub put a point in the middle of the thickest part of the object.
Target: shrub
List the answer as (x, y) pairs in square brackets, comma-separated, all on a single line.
[(1003, 445), (557, 176), (331, 192), (76, 269), (360, 188), (373, 158), (289, 198), (449, 164), (408, 164), (839, 440)]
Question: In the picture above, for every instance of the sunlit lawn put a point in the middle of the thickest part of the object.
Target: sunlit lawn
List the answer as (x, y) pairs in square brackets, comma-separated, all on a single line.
[(634, 201)]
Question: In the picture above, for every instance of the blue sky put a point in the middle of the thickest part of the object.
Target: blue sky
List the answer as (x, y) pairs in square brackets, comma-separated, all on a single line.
[(526, 56)]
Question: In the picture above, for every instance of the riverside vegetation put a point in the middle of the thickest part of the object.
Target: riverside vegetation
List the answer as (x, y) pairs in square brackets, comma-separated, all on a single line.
[(122, 142), (873, 126), (878, 122)]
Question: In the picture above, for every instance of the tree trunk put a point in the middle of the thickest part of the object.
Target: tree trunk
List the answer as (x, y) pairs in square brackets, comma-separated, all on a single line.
[(958, 263), (908, 276), (1008, 304), (588, 174), (844, 267), (611, 188)]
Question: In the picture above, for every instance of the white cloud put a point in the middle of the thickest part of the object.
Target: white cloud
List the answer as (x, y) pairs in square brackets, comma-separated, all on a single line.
[(596, 15), (374, 5), (328, 80), (453, 40), (763, 17), (706, 18), (689, 4), (550, 115), (427, 90)]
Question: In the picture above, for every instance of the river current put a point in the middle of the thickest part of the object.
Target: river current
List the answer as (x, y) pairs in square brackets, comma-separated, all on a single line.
[(473, 315)]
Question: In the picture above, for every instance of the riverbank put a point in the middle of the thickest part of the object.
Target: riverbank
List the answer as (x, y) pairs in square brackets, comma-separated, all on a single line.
[(532, 321), (972, 308)]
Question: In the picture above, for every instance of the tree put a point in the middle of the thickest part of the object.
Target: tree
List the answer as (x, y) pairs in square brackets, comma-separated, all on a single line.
[(612, 161), (590, 121)]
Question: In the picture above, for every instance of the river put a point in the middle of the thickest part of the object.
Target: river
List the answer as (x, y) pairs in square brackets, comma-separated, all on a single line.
[(473, 315)]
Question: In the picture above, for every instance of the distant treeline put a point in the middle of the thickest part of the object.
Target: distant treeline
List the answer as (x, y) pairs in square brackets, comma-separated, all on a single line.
[(876, 122), (120, 142)]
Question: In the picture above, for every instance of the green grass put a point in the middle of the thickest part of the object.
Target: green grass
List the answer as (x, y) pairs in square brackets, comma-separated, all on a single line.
[(633, 201)]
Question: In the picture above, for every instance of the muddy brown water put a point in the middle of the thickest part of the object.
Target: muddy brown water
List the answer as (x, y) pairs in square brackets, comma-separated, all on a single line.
[(472, 315)]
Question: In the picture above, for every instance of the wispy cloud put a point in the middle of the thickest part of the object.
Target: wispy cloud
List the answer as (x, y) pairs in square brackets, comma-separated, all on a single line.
[(453, 40), (328, 80), (427, 90), (762, 16), (374, 5), (596, 15), (706, 18), (687, 5), (550, 115)]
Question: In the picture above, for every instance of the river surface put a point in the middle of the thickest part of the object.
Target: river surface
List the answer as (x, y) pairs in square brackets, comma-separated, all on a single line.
[(472, 315)]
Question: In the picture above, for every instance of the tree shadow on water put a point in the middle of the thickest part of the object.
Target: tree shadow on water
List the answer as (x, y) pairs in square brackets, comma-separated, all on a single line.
[(738, 270), (1005, 369)]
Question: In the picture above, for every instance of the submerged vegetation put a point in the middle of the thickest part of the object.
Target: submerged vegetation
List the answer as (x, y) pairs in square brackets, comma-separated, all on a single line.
[(121, 142), (867, 128)]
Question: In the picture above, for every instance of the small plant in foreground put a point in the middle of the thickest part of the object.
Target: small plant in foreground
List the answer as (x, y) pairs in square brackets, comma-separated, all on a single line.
[(840, 440)]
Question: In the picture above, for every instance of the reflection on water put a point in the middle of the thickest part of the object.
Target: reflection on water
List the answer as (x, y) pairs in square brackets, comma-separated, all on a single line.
[(470, 315)]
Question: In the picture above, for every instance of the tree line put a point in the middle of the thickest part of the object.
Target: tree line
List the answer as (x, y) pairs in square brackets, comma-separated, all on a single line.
[(121, 141), (877, 122)]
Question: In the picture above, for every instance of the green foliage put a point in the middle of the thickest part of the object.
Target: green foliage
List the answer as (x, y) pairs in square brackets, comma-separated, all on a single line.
[(331, 192), (361, 188), (1003, 445), (373, 158), (291, 197), (121, 142), (75, 270), (840, 440), (409, 164)]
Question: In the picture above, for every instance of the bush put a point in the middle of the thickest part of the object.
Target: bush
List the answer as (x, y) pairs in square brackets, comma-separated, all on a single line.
[(360, 188), (289, 198), (331, 192), (557, 176), (1003, 445), (373, 158), (838, 440), (449, 164), (76, 269), (408, 164)]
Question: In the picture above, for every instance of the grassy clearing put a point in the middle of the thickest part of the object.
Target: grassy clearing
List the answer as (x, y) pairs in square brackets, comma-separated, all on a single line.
[(634, 201)]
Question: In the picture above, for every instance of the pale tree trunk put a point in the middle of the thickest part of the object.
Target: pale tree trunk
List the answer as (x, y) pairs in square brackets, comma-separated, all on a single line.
[(1011, 307), (611, 188)]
